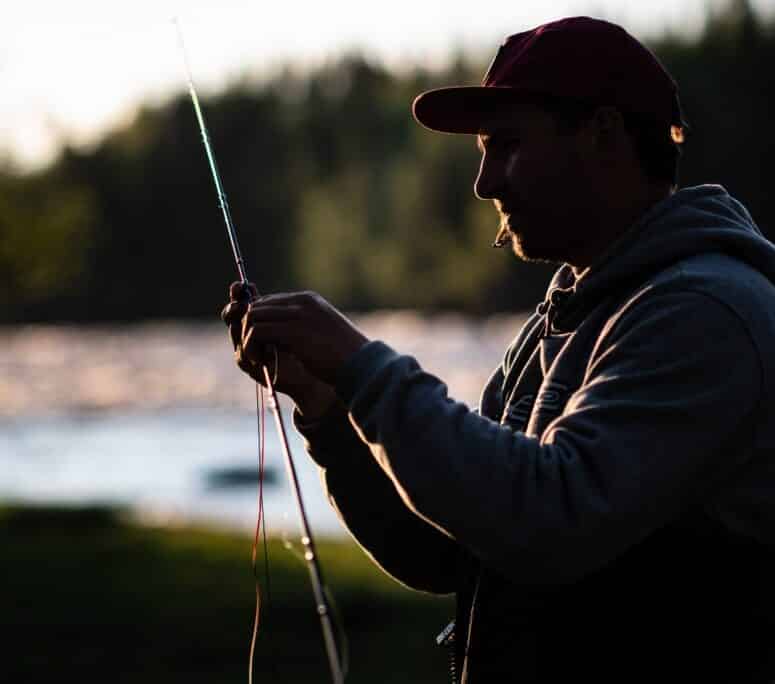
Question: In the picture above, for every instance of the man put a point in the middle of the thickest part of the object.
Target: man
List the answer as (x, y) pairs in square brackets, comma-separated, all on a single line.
[(609, 511)]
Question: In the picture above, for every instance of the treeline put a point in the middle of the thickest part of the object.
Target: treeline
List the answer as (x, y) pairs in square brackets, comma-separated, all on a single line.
[(333, 187)]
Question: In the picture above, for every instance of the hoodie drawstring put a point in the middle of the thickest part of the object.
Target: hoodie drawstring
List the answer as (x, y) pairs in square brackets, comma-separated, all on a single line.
[(549, 308)]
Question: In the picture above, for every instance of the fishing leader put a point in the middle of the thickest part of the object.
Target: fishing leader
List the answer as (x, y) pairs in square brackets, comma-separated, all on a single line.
[(609, 510)]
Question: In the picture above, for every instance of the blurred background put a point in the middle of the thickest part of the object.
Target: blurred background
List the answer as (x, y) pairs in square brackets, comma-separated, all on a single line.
[(127, 437)]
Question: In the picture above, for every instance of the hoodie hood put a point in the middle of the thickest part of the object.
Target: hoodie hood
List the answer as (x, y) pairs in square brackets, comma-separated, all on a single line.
[(691, 221)]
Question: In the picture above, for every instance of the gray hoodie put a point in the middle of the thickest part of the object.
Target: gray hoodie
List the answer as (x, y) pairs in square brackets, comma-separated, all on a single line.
[(640, 394)]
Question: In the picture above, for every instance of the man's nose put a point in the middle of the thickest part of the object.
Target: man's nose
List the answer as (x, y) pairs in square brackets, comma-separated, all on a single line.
[(489, 181)]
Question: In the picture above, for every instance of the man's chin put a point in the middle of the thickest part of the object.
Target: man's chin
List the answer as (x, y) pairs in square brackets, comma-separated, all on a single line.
[(528, 250)]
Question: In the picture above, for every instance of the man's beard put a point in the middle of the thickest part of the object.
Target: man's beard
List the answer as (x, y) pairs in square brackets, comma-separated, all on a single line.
[(522, 246)]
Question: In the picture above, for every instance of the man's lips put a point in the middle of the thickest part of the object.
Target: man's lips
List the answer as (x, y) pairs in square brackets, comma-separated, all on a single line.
[(503, 236)]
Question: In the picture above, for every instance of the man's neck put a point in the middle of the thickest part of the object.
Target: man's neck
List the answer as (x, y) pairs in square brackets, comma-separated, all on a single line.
[(616, 222)]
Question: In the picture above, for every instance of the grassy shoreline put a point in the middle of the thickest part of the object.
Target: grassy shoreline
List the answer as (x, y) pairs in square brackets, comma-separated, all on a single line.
[(91, 595)]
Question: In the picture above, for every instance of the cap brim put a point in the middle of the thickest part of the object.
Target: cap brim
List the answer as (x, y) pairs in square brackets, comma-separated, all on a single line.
[(459, 109)]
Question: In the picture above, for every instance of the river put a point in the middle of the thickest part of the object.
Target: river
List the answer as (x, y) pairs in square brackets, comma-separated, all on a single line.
[(156, 418)]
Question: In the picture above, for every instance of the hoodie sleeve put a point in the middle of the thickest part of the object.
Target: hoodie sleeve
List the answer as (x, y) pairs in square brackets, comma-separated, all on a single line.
[(669, 389), (407, 548)]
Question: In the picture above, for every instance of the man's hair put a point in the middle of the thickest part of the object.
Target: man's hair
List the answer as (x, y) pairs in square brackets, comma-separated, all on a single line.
[(657, 153)]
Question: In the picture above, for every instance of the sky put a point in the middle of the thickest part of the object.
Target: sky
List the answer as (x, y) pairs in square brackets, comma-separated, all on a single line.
[(69, 71)]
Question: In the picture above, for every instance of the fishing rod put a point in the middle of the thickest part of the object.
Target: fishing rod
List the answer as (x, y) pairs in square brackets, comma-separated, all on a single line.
[(310, 555)]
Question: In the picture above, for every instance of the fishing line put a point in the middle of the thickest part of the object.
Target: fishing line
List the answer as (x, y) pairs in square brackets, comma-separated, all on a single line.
[(260, 528), (322, 601)]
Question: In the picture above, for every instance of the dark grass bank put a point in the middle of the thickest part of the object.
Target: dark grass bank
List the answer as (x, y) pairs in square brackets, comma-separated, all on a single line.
[(89, 595)]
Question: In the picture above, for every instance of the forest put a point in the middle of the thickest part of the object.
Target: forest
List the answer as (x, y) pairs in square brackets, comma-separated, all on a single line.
[(333, 187)]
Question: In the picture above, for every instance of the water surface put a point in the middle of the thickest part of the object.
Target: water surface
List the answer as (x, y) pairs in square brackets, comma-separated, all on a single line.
[(140, 415)]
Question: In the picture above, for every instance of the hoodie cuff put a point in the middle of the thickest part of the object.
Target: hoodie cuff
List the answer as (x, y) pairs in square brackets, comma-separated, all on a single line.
[(329, 440), (306, 427), (361, 367)]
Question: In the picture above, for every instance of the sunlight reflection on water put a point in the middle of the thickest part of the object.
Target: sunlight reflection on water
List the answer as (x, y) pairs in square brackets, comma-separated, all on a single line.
[(139, 415)]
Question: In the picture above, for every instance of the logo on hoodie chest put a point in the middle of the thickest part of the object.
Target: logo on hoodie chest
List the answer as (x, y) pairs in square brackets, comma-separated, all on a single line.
[(536, 411), (548, 406), (552, 398), (517, 413)]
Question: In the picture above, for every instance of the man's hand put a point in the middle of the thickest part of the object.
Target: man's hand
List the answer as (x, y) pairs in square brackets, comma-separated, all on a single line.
[(313, 398), (240, 296), (304, 325)]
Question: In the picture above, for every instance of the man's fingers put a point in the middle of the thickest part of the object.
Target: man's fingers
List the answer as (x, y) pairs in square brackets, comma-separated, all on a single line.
[(233, 312), (257, 337), (265, 356), (232, 315), (282, 298), (268, 313), (240, 296), (254, 371), (241, 292)]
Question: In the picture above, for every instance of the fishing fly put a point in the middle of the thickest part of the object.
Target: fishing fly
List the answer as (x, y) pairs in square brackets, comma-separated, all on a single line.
[(310, 556)]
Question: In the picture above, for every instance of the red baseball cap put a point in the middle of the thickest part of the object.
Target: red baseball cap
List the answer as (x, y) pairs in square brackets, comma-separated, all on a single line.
[(578, 58)]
